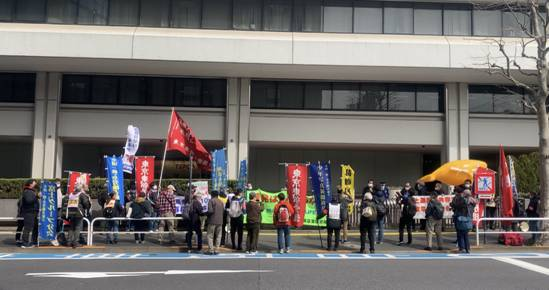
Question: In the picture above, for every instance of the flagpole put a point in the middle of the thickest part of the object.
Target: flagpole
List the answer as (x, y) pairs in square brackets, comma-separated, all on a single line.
[(165, 149), (190, 172)]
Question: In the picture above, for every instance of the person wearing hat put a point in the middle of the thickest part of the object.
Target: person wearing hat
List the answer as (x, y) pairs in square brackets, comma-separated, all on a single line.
[(368, 220), (112, 209), (166, 208)]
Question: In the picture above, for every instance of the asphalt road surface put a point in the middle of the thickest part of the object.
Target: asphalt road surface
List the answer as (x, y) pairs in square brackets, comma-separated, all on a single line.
[(273, 271)]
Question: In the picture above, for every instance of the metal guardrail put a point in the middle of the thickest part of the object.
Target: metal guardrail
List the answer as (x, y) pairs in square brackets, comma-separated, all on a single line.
[(508, 232), (87, 232), (91, 233)]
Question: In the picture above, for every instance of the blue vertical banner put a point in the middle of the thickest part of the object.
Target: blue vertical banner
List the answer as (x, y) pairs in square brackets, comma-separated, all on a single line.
[(115, 176), (219, 170), (243, 175), (47, 229), (320, 182)]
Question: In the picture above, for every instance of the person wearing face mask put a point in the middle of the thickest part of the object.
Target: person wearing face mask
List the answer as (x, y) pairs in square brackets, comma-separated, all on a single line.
[(369, 188), (406, 201)]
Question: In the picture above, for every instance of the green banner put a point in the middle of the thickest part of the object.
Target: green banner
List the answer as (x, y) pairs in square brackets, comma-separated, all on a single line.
[(269, 201)]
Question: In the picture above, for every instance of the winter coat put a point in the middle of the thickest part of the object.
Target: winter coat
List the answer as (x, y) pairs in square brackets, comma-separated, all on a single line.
[(532, 210), (118, 209), (290, 213), (30, 203), (345, 201), (83, 206), (333, 222), (140, 208), (254, 209), (216, 210)]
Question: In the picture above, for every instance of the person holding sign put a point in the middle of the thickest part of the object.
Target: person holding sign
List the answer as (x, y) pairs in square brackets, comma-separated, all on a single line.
[(74, 207), (282, 216), (333, 222)]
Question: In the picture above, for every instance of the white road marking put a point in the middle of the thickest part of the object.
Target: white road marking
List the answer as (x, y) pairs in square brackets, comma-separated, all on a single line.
[(5, 255), (134, 256), (321, 256), (343, 256), (92, 275), (390, 256), (72, 256), (119, 256), (87, 256), (269, 256), (524, 265)]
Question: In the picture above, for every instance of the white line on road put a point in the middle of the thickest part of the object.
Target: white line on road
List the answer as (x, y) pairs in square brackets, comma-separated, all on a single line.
[(87, 256), (524, 265), (5, 255), (119, 256), (72, 256), (390, 256), (343, 256), (321, 256), (134, 256), (269, 256)]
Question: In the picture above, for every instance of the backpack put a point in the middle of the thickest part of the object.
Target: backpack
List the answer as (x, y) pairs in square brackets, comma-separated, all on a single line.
[(283, 214), (108, 211), (186, 211), (410, 208), (464, 223), (511, 239), (380, 208), (235, 209), (369, 212), (438, 210)]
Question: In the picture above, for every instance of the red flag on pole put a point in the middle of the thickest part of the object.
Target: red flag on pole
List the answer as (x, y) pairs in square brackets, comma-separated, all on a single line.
[(182, 139), (296, 176), (144, 173), (77, 178), (505, 186)]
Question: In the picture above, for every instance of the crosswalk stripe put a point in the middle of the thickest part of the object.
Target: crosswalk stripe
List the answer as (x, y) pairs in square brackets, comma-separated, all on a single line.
[(524, 265)]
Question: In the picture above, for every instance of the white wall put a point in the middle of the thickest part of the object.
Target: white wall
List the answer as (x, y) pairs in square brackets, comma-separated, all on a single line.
[(16, 120), (511, 131)]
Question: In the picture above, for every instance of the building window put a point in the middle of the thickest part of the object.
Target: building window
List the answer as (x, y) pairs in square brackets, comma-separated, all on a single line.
[(368, 17), (515, 23), (30, 10), (487, 22), (62, 11), (290, 95), (373, 97), (338, 16), (247, 14), (307, 15), (402, 98), (214, 93), (428, 19), (496, 99), (93, 12), (155, 13), (104, 90), (507, 101), (457, 19), (429, 98), (6, 10), (263, 95), (187, 92), (160, 91), (123, 12), (17, 87), (132, 91), (186, 13), (318, 96), (345, 96), (277, 15), (216, 14), (398, 18), (76, 89)]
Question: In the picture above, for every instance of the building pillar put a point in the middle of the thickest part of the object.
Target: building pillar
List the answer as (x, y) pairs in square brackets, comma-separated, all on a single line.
[(457, 123), (244, 122), (231, 126), (45, 158)]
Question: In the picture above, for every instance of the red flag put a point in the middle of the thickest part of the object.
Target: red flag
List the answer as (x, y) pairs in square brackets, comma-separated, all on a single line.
[(77, 178), (505, 186), (182, 139), (144, 172), (296, 177)]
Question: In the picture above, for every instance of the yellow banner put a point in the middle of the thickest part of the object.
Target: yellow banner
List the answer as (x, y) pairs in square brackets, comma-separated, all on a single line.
[(348, 183)]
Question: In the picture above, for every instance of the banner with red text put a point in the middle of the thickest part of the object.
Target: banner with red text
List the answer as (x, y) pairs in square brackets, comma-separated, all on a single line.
[(423, 200), (144, 173), (77, 178), (296, 178)]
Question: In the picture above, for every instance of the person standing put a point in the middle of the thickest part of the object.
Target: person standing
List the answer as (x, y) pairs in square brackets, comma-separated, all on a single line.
[(152, 197), (195, 211), (434, 215), (368, 220), (30, 206), (74, 207), (224, 198), (406, 201), (112, 209), (333, 222), (345, 199), (236, 208), (139, 209), (254, 207), (532, 212), (380, 197), (464, 206), (491, 212), (215, 222), (166, 209), (282, 216)]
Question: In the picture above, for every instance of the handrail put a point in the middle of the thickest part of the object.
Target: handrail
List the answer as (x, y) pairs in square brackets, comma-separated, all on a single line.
[(90, 234), (508, 219)]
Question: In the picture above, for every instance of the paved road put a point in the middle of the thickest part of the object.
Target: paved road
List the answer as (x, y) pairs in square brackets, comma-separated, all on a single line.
[(273, 271)]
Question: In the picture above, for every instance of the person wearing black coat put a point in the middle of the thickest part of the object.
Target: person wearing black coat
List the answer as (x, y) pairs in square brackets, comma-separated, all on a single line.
[(139, 209), (194, 224), (333, 222), (29, 207), (113, 209)]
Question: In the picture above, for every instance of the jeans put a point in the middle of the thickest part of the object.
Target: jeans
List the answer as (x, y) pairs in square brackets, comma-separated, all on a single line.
[(534, 227), (463, 241), (237, 227), (152, 223), (367, 227), (112, 226), (380, 229), (198, 231), (284, 238), (253, 237), (214, 237), (75, 227), (30, 225), (337, 232), (434, 227), (405, 222)]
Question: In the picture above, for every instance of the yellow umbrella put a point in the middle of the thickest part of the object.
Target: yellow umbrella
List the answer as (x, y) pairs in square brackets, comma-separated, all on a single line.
[(454, 172)]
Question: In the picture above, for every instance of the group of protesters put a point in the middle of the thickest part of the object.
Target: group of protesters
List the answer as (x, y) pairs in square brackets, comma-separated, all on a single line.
[(227, 208)]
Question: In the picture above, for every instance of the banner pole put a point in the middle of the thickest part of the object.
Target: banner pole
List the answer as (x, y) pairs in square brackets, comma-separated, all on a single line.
[(165, 149), (190, 172), (319, 234)]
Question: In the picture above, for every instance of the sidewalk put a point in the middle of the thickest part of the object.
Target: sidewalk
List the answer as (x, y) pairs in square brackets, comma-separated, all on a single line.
[(303, 241)]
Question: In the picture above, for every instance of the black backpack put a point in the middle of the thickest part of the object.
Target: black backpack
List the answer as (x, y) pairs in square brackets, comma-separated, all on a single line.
[(410, 208), (108, 212), (380, 208)]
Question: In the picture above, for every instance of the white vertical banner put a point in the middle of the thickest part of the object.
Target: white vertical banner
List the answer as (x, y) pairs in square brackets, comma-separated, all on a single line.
[(132, 144)]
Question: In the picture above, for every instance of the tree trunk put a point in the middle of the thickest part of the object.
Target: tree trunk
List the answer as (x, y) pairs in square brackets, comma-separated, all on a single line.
[(543, 124)]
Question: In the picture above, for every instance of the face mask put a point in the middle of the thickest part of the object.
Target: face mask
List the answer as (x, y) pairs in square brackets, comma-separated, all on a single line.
[(370, 185), (467, 186), (383, 187), (407, 187)]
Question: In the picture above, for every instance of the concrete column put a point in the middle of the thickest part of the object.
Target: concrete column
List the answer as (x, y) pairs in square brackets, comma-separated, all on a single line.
[(38, 143), (244, 121), (45, 157), (457, 122), (231, 126)]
